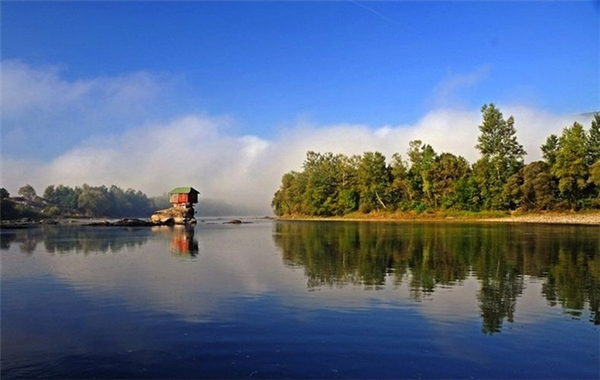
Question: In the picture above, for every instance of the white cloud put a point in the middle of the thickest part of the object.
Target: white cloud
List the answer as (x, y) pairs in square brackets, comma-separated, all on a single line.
[(448, 91), (39, 104), (200, 150), (26, 88)]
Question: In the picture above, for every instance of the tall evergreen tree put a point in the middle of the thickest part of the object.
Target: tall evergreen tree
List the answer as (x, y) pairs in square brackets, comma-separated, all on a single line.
[(549, 150), (593, 144), (571, 167), (500, 152)]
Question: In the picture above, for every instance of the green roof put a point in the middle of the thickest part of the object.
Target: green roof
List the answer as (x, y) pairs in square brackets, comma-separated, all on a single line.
[(183, 190)]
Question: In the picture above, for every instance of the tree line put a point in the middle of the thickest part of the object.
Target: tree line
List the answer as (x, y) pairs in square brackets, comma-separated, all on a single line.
[(92, 201), (568, 177)]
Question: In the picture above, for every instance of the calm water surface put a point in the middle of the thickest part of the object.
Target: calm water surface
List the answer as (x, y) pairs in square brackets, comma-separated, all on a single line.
[(301, 300)]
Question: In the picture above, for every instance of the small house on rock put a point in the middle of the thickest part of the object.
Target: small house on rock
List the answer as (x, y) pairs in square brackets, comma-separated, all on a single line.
[(182, 201), (183, 196)]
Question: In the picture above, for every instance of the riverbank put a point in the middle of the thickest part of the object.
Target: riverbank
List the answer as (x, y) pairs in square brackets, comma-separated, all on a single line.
[(582, 218), (85, 222)]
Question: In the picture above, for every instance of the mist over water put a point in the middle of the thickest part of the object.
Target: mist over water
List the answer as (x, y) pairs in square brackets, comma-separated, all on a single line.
[(115, 136)]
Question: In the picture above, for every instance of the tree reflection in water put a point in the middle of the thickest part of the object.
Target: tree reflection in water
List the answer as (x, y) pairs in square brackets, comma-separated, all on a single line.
[(75, 239), (436, 254), (91, 240)]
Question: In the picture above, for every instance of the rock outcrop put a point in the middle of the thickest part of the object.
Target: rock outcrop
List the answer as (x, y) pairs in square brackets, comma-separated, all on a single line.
[(181, 214), (127, 222)]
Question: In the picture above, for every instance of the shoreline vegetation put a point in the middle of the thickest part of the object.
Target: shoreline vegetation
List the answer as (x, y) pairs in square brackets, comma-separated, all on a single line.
[(498, 186), (573, 218)]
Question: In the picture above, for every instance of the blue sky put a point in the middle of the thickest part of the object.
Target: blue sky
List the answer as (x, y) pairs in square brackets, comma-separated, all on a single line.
[(76, 75)]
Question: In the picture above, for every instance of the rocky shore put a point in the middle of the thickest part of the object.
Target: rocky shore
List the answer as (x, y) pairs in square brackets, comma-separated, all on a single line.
[(584, 218), (126, 222)]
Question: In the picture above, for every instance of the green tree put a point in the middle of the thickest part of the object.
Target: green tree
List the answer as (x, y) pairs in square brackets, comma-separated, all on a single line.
[(498, 139), (320, 196), (594, 161), (485, 189), (595, 173), (593, 145), (549, 150), (348, 193), (400, 188), (531, 188), (94, 201), (128, 203), (141, 204), (466, 194), (539, 188), (501, 155), (119, 203), (373, 181), (27, 191), (443, 176), (421, 157), (571, 166), (63, 196), (7, 207), (288, 200), (49, 194)]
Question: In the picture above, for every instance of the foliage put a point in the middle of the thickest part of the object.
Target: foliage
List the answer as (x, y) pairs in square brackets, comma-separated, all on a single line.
[(7, 207), (93, 201), (444, 176), (571, 166), (593, 143), (27, 191), (335, 185), (501, 157), (373, 181), (532, 188), (422, 157), (549, 149), (62, 196)]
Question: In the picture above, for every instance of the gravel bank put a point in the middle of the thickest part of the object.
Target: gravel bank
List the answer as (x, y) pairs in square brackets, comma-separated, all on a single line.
[(584, 218)]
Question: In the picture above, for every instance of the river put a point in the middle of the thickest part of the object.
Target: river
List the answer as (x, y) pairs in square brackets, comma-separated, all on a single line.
[(301, 300)]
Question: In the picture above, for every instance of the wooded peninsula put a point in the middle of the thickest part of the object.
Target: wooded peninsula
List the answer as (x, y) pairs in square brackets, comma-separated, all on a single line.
[(567, 179)]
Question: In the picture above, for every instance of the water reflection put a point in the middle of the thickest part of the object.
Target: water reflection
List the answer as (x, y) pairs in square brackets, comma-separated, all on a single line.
[(86, 240), (183, 242), (62, 240), (430, 256), (420, 258)]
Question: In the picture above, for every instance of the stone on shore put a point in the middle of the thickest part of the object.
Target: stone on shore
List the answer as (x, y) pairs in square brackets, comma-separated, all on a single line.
[(174, 215), (236, 221), (127, 222)]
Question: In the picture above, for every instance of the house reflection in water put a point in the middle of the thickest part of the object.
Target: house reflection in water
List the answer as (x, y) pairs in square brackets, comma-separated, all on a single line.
[(183, 242)]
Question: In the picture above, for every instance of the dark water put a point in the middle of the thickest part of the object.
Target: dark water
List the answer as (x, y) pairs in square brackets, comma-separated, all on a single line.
[(302, 300)]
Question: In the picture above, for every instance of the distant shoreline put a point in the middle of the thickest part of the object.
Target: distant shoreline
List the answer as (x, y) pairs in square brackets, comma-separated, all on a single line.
[(573, 218), (569, 218)]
